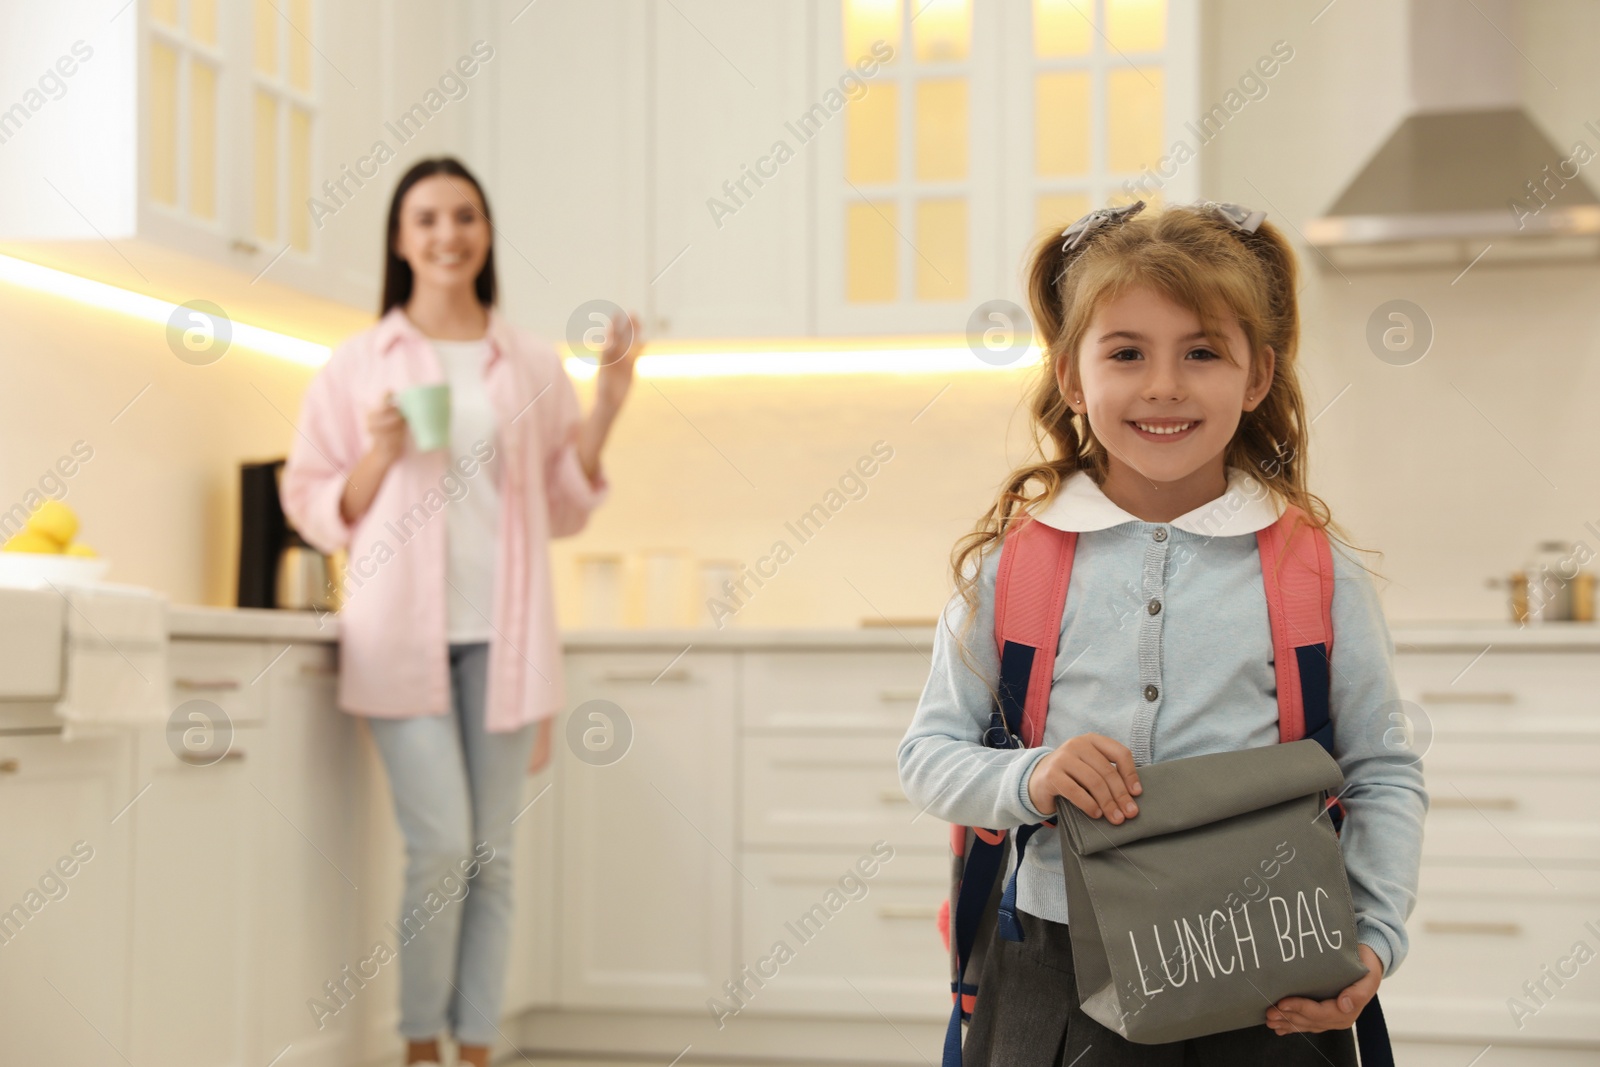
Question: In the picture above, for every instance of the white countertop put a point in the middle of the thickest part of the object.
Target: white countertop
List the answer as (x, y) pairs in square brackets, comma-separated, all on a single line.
[(251, 624)]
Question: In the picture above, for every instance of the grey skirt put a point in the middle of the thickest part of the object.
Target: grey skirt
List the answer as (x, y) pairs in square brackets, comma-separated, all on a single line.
[(1027, 1015)]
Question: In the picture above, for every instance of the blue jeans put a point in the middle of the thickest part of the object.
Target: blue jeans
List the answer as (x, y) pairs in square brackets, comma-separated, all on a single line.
[(456, 789)]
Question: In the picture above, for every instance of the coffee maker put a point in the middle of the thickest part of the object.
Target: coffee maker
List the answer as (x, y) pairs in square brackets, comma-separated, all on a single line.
[(277, 568)]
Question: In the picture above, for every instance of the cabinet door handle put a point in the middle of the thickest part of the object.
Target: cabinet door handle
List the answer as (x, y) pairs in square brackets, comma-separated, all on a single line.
[(1500, 929), (318, 670), (1468, 696), (214, 685), (235, 755), (899, 696), (907, 911), (893, 796), (1492, 803), (671, 674), (9, 765)]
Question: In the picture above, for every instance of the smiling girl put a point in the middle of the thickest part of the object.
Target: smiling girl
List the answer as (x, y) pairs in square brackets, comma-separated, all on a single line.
[(1176, 429)]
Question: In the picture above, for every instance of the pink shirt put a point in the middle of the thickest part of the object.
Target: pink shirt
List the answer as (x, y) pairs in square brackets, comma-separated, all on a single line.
[(393, 653)]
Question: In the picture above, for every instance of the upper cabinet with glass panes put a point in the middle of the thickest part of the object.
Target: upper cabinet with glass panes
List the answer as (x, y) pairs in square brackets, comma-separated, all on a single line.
[(987, 125), (229, 120), (207, 121)]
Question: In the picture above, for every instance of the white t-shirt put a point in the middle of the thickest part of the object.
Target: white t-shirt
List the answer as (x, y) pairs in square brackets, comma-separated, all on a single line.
[(473, 511)]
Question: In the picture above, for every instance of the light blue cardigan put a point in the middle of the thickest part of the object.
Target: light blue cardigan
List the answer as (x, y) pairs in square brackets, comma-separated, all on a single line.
[(1208, 653)]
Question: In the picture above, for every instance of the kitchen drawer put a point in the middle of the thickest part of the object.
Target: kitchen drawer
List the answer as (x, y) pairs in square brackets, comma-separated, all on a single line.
[(229, 674), (1454, 751), (1532, 694), (831, 692), (1478, 933), (1508, 817), (871, 947), (832, 792)]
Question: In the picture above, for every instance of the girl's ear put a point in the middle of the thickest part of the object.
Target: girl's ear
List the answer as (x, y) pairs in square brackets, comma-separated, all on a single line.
[(1066, 386), (1261, 380)]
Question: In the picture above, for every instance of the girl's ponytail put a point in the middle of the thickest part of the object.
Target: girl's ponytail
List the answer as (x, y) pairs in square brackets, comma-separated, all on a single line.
[(1044, 289)]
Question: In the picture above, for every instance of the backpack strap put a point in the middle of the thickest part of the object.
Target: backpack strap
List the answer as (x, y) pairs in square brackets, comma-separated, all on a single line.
[(1030, 599), (1297, 571)]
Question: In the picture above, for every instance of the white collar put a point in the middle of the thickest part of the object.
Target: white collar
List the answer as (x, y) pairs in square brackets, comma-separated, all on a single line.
[(1245, 507)]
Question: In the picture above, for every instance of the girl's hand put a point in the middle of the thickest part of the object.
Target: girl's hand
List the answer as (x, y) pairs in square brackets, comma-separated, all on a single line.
[(541, 746), (1298, 1015), (388, 429), (1094, 772), (624, 342)]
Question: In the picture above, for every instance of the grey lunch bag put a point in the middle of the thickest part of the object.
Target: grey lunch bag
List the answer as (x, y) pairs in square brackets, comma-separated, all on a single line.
[(1226, 893)]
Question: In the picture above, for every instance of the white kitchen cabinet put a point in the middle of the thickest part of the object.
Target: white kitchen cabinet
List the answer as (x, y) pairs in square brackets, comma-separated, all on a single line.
[(830, 791), (830, 692), (1478, 934), (196, 879), (675, 100), (64, 955), (1511, 873), (649, 881), (242, 907), (875, 949), (238, 133), (531, 970), (731, 184), (569, 171), (196, 869), (305, 809)]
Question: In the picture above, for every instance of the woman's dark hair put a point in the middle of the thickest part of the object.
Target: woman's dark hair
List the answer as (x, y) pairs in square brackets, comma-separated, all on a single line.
[(397, 277)]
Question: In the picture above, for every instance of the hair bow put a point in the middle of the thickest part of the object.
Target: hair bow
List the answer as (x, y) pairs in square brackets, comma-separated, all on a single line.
[(1079, 231), (1240, 218)]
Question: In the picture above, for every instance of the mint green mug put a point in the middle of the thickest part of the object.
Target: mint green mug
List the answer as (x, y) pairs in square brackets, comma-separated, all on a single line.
[(427, 412)]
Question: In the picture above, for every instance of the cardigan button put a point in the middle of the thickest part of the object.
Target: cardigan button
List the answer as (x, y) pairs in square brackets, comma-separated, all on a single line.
[(1155, 607), (1160, 533), (1151, 692)]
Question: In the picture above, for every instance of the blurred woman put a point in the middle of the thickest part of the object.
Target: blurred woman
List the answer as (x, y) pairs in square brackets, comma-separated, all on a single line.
[(447, 634)]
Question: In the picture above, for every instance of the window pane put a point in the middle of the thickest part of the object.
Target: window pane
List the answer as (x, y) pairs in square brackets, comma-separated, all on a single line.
[(300, 45), (203, 21), (1133, 118), (1062, 27), (202, 140), (164, 12), (266, 166), (941, 30), (1136, 25), (871, 273), (163, 124), (265, 31), (941, 240), (299, 178), (866, 21), (1061, 123), (941, 129), (872, 135), (1054, 212)]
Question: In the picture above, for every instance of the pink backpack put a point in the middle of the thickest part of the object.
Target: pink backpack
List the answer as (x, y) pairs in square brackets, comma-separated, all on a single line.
[(1030, 600)]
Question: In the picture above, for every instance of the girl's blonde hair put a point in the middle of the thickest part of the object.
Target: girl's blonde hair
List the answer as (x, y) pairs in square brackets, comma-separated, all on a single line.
[(1197, 259)]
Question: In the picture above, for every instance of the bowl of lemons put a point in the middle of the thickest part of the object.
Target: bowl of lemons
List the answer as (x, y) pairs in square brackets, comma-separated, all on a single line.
[(46, 552)]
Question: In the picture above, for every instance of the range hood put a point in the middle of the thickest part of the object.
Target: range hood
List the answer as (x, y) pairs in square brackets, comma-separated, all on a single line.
[(1467, 168)]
